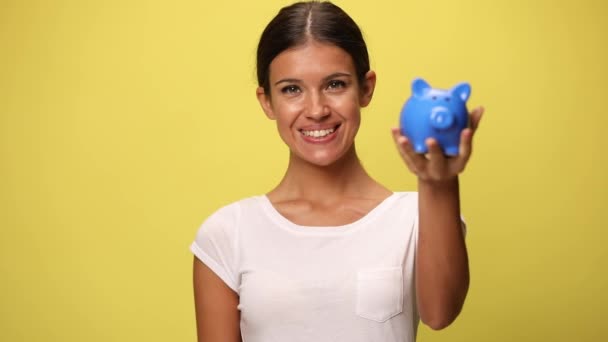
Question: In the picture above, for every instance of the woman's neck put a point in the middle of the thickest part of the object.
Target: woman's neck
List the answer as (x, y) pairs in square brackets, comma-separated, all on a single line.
[(344, 178)]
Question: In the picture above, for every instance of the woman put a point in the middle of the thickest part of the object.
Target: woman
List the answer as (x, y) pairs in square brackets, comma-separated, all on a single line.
[(330, 254)]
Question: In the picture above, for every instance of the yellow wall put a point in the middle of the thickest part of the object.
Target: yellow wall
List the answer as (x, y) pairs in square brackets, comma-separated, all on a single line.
[(123, 124)]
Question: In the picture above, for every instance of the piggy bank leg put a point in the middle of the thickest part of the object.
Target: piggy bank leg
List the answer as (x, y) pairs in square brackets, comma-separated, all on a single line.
[(420, 148), (451, 151)]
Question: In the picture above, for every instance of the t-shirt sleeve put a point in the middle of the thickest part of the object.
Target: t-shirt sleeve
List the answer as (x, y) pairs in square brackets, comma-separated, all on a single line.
[(463, 226), (216, 243)]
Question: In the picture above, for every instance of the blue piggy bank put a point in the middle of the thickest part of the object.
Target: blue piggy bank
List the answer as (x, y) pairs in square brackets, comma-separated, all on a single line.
[(435, 113)]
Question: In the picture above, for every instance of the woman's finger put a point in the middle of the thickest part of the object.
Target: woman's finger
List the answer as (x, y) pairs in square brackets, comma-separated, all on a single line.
[(402, 145), (464, 151), (435, 153), (437, 160), (418, 160), (475, 116)]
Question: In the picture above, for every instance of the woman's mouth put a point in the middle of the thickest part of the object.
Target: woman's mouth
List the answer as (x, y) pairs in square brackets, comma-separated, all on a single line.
[(319, 135)]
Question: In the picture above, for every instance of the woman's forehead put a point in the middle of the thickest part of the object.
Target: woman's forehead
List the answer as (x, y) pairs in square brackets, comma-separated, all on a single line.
[(311, 59)]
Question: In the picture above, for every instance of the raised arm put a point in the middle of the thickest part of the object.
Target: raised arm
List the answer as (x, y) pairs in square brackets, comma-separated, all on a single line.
[(217, 316), (442, 268)]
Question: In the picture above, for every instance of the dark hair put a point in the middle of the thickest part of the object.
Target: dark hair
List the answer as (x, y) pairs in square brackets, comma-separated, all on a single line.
[(320, 21)]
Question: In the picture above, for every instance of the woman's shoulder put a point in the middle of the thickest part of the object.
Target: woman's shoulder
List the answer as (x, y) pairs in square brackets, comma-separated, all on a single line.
[(233, 210), (403, 203), (405, 196), (225, 220)]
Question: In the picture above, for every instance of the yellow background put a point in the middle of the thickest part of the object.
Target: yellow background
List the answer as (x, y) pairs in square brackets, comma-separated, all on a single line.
[(123, 124)]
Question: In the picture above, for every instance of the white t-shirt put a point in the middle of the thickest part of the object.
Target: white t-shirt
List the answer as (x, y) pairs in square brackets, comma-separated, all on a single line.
[(297, 283)]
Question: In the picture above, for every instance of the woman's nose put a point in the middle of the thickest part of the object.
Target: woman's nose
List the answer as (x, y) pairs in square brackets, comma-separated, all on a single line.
[(318, 107)]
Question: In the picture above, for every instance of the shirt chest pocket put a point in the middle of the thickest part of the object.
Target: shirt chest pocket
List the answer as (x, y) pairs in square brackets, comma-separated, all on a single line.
[(379, 293)]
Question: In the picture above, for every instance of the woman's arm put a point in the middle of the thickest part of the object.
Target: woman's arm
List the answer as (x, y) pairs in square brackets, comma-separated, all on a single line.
[(217, 316), (442, 271), (442, 267)]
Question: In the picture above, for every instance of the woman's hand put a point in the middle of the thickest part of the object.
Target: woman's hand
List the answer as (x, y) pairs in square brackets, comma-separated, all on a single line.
[(435, 166)]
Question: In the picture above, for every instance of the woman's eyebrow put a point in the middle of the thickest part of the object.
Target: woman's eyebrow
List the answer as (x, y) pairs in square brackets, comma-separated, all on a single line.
[(335, 75), (288, 80)]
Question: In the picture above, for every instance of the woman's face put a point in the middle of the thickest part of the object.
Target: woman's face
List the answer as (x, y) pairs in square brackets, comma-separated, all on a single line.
[(315, 98)]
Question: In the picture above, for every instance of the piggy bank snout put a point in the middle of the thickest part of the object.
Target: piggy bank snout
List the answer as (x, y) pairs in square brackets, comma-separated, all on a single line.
[(441, 118)]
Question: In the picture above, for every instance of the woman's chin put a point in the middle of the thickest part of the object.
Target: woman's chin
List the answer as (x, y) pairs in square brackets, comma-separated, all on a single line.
[(322, 158)]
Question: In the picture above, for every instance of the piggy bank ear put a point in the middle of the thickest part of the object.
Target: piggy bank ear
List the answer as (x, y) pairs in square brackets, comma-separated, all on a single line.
[(462, 90), (419, 87)]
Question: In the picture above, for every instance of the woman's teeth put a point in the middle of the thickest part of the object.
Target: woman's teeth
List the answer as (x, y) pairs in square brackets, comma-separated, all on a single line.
[(318, 133)]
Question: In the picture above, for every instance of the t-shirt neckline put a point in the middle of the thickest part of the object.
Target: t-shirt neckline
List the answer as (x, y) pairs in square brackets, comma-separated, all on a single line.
[(284, 222)]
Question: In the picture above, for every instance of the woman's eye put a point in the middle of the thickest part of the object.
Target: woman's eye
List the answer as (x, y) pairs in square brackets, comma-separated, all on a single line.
[(290, 89), (336, 84)]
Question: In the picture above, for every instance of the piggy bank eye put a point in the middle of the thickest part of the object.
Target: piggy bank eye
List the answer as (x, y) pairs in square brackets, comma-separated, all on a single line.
[(434, 97), (447, 99)]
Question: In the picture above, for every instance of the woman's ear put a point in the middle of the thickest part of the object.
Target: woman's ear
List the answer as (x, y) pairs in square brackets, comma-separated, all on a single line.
[(367, 88), (264, 101)]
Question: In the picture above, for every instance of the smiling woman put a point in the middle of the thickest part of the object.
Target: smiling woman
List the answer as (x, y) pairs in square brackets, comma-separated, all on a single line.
[(316, 105), (330, 254)]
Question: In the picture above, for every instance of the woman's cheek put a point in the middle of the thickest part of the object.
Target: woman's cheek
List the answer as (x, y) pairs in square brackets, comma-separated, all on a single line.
[(291, 109)]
